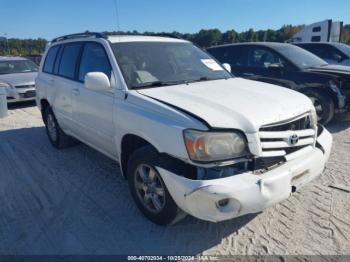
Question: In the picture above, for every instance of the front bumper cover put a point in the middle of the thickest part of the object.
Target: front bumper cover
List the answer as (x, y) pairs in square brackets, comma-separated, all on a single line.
[(247, 192), (20, 95)]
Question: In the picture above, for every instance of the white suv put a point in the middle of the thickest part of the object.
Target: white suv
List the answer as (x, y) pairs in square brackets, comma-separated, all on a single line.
[(187, 134)]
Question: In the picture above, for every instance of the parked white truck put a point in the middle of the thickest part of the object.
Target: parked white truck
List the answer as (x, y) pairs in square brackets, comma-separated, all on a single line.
[(189, 136)]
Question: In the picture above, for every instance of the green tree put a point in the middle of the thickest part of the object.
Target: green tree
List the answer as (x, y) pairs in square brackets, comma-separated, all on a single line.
[(206, 38)]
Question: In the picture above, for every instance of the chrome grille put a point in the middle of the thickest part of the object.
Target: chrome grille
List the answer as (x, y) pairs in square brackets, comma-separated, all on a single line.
[(284, 138)]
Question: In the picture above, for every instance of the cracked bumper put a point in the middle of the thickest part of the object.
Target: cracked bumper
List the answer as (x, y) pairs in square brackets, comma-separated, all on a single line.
[(247, 192)]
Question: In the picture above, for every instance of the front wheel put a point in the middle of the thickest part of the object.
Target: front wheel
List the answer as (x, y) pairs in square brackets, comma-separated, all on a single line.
[(323, 104), (148, 188)]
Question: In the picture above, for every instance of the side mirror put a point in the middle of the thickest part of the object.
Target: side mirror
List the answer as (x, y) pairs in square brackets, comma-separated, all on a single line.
[(227, 66), (97, 81)]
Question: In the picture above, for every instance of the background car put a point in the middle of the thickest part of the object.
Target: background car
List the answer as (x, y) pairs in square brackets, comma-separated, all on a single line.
[(332, 53), (292, 67), (18, 74)]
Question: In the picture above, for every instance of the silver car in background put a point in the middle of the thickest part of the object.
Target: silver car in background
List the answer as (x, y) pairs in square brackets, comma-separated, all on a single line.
[(18, 75)]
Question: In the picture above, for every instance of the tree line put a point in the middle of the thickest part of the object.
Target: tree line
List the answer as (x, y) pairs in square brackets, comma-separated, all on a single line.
[(203, 38)]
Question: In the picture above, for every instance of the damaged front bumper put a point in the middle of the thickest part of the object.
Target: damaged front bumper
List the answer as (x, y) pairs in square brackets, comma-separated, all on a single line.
[(225, 198)]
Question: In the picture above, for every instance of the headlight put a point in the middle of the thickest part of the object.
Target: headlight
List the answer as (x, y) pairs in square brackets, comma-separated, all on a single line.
[(214, 146), (8, 88), (6, 85)]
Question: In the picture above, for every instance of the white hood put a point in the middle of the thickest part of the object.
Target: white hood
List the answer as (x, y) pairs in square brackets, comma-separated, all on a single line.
[(234, 103), (18, 79)]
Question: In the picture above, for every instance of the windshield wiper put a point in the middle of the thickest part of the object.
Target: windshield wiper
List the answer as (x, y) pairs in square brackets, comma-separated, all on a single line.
[(203, 78), (150, 84), (169, 83)]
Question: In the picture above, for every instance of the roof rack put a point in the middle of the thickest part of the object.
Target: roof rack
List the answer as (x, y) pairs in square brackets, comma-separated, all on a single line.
[(79, 35)]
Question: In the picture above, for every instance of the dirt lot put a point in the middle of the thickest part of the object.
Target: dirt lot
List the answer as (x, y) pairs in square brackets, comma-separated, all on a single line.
[(74, 201)]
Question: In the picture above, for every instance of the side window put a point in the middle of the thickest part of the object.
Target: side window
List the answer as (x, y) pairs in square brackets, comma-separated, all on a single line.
[(219, 53), (94, 59), (316, 49), (316, 38), (69, 59), (235, 56), (50, 59), (316, 29), (333, 54), (58, 59), (262, 58)]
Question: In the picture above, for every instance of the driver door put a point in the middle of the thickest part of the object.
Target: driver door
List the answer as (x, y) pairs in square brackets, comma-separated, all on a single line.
[(264, 65), (93, 110)]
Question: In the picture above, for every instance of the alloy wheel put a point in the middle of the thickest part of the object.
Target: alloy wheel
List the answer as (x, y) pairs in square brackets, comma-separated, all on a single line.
[(150, 188)]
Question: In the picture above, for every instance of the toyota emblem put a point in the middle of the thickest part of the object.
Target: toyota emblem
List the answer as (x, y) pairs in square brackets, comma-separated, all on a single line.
[(294, 139)]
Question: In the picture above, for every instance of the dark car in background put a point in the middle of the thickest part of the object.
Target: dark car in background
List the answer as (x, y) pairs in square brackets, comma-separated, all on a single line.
[(332, 53), (292, 67)]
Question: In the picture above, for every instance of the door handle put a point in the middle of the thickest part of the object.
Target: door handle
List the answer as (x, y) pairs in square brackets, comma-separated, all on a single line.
[(248, 74), (76, 91)]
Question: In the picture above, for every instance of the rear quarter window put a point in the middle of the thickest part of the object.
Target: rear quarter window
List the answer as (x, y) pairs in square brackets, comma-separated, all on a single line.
[(50, 59)]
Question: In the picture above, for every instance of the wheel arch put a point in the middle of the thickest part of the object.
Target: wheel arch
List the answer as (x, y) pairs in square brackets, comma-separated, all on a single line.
[(322, 90), (129, 144)]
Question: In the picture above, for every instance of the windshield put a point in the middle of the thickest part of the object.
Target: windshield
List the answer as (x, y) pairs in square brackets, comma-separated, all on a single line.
[(300, 57), (146, 64), (17, 66), (344, 48)]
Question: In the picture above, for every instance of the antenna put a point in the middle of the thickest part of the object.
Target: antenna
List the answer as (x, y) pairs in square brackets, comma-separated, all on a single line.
[(117, 15)]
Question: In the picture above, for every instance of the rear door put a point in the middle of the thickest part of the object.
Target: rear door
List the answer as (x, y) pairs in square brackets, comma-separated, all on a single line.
[(45, 82), (93, 110), (65, 70)]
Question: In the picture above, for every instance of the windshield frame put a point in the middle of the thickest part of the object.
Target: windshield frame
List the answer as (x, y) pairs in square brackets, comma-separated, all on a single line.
[(167, 83), (279, 49), (18, 61)]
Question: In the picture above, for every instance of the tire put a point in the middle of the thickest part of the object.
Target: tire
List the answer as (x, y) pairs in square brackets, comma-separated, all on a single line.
[(324, 105), (54, 132), (144, 180)]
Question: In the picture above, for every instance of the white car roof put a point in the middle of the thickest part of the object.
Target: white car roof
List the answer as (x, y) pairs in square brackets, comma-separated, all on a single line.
[(141, 38)]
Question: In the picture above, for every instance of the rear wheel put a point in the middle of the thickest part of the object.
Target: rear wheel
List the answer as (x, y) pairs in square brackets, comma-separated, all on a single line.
[(54, 132), (323, 104), (148, 188)]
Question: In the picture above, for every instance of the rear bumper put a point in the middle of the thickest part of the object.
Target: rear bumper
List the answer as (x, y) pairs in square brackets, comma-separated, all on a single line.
[(247, 192)]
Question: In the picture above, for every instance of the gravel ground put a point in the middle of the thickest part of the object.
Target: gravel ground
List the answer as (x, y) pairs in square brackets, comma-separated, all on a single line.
[(74, 201)]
